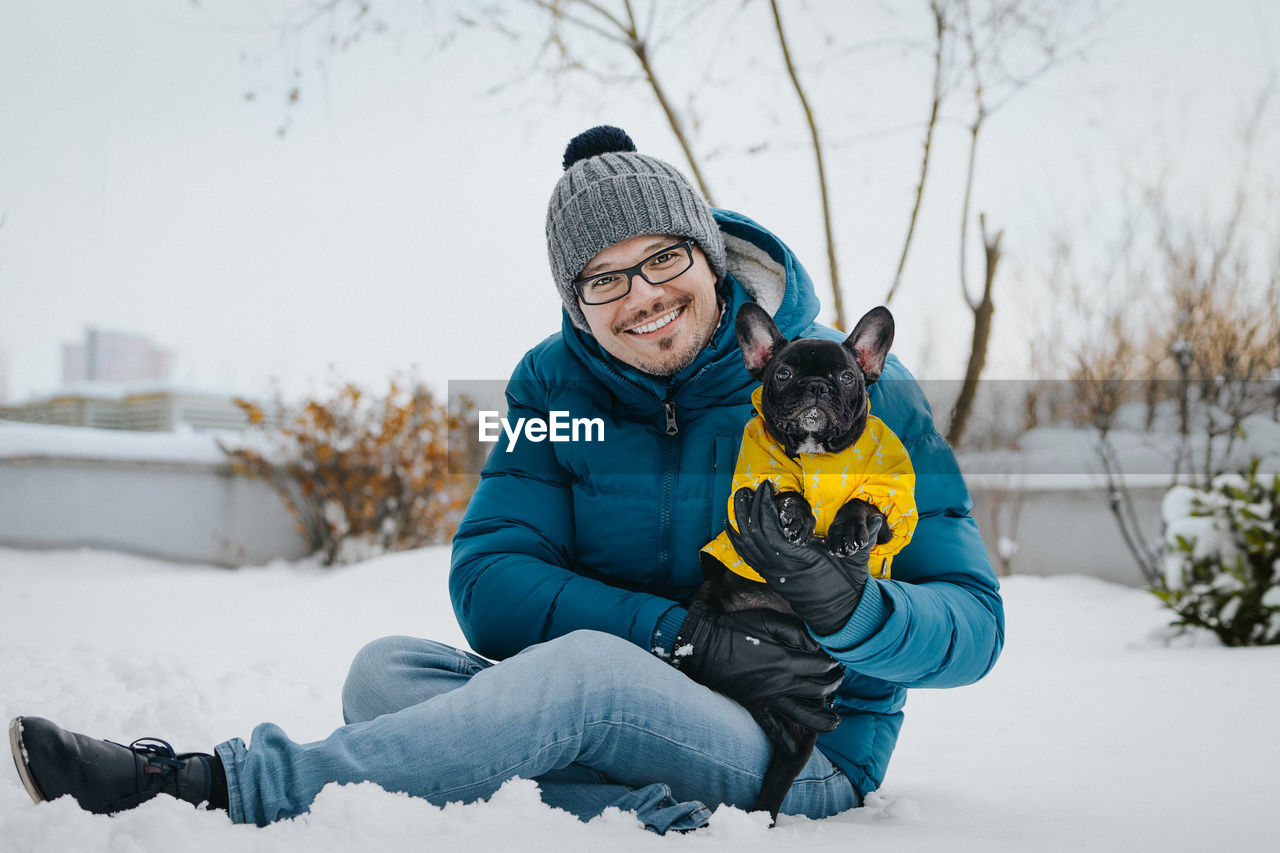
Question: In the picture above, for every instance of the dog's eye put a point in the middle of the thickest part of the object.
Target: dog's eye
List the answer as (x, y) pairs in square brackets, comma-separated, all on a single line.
[(847, 377), (783, 374)]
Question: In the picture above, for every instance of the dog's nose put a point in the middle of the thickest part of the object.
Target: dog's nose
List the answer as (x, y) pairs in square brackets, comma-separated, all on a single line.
[(817, 388)]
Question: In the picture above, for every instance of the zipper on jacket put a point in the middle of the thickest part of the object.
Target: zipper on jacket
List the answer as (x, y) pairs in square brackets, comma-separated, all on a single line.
[(670, 465), (670, 460), (666, 549)]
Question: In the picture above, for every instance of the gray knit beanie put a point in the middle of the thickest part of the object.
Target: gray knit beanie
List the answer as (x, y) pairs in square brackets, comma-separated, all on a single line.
[(610, 193)]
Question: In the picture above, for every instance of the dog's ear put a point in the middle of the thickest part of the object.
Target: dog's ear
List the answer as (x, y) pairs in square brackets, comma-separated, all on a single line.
[(758, 337), (870, 341)]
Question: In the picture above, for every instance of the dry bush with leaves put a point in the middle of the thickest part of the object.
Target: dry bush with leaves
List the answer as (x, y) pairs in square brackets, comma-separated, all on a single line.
[(1211, 352), (1203, 357), (362, 474)]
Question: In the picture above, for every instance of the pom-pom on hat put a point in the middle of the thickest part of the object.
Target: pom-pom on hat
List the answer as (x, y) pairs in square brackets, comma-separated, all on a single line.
[(609, 193)]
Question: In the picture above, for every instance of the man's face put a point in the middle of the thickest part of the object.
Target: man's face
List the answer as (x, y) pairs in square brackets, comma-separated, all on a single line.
[(657, 328)]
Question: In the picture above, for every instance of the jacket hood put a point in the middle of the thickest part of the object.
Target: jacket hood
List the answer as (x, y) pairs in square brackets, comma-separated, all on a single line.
[(769, 272), (760, 268)]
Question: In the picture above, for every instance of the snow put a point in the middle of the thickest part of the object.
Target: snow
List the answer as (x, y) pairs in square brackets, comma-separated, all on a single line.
[(1058, 458), (1178, 503), (1208, 534), (1098, 729), (23, 441)]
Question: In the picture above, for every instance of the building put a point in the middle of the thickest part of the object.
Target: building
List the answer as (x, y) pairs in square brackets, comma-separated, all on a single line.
[(121, 381), (114, 357), (145, 406)]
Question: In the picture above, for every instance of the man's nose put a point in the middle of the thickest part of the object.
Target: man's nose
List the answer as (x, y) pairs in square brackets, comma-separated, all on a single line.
[(642, 291)]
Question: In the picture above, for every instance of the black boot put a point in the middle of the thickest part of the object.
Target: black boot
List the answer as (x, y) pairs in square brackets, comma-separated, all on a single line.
[(102, 776)]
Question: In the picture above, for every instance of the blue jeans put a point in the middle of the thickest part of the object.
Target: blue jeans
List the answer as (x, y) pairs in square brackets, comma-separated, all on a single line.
[(594, 719)]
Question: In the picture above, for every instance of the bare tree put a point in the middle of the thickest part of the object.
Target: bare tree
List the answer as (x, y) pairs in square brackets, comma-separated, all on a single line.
[(621, 27), (1208, 353), (1101, 381), (1005, 25), (941, 29), (575, 29), (983, 311), (1225, 321), (1005, 45), (837, 298)]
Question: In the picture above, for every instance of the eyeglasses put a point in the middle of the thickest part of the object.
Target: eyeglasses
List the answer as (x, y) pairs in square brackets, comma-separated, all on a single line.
[(658, 268)]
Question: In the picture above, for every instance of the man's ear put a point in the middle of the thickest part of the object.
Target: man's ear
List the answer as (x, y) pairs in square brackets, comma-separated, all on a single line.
[(758, 337), (870, 341)]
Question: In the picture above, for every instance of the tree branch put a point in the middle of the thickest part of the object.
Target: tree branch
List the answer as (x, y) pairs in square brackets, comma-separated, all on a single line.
[(607, 15), (641, 51), (974, 130), (837, 299), (982, 317), (940, 26), (558, 13)]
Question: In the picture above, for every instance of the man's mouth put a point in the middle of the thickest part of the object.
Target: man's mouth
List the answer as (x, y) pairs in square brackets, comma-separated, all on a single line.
[(657, 323)]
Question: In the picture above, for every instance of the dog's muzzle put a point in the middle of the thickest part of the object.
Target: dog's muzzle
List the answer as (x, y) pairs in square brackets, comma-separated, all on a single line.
[(813, 419)]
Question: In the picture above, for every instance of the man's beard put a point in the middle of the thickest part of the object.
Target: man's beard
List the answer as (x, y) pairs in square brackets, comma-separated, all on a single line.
[(669, 363), (676, 362)]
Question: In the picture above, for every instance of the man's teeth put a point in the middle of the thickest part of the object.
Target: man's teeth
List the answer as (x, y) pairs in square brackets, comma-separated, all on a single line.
[(656, 324)]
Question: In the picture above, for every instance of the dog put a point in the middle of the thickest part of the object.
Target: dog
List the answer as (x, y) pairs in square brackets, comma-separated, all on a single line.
[(813, 437)]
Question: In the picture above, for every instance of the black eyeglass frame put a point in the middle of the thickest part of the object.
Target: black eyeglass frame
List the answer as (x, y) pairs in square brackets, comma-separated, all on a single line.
[(637, 269)]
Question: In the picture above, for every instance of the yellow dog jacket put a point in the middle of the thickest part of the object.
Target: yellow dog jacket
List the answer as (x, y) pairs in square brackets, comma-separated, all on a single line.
[(875, 469)]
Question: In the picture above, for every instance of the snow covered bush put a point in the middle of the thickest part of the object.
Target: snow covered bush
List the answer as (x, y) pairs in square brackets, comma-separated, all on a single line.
[(1222, 557), (361, 474)]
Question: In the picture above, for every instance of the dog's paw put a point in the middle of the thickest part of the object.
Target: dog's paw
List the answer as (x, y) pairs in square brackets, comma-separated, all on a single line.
[(851, 529), (845, 540), (842, 546), (795, 516)]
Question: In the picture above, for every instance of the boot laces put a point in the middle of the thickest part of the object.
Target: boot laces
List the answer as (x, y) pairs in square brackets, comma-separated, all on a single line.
[(158, 755), (158, 758)]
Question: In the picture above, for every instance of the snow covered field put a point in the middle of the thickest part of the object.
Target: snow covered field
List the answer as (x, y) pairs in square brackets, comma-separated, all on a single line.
[(1097, 730)]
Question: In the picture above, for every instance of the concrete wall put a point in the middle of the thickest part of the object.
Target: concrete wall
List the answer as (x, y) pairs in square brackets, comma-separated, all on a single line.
[(200, 512), (187, 512), (1064, 530), (173, 497)]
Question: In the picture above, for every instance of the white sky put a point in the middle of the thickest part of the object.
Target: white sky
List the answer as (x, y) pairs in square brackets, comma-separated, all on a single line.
[(399, 221)]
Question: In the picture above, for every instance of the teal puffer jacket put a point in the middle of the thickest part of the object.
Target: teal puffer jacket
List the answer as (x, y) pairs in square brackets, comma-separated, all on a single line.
[(604, 535)]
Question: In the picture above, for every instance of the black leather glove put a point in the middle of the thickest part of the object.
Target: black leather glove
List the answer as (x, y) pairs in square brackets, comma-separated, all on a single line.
[(822, 588), (762, 659)]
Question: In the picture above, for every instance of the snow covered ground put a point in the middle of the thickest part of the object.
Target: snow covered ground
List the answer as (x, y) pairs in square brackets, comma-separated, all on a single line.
[(1098, 729)]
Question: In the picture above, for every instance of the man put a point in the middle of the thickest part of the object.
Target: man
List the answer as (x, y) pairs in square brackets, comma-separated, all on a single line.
[(575, 561)]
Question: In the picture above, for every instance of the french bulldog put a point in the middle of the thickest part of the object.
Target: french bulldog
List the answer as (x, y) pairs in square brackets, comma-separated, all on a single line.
[(813, 401)]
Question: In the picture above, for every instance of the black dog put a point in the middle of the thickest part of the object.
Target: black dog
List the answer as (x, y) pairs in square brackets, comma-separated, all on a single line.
[(813, 402)]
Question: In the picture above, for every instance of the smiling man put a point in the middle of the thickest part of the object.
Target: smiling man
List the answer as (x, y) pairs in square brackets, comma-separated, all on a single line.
[(575, 563), (655, 314)]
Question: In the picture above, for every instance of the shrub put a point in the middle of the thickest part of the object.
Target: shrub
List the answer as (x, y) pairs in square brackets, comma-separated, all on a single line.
[(1222, 557), (361, 474)]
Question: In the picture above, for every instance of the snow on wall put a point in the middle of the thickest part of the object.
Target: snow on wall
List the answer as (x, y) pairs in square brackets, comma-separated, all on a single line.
[(165, 495)]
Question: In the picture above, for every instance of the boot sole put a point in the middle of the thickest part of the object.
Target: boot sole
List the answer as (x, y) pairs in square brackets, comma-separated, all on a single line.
[(20, 761)]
